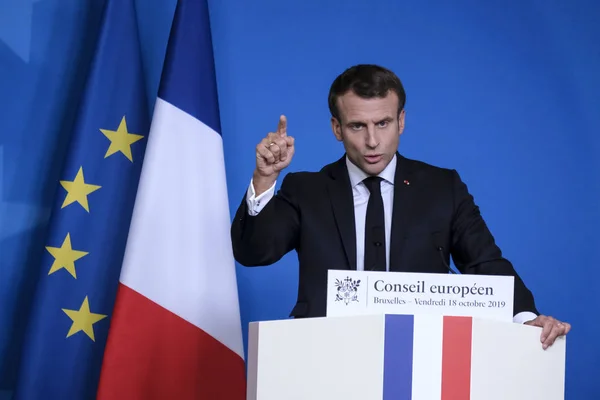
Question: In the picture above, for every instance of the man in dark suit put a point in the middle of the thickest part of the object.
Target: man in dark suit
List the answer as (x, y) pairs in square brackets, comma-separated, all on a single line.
[(372, 209)]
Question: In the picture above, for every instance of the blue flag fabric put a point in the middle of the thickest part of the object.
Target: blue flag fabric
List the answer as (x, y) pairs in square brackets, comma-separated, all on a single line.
[(79, 273)]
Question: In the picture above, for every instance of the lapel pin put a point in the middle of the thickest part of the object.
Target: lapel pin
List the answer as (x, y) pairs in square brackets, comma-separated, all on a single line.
[(406, 182)]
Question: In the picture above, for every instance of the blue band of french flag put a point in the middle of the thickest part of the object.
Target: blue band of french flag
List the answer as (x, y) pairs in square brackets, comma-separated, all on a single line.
[(398, 357)]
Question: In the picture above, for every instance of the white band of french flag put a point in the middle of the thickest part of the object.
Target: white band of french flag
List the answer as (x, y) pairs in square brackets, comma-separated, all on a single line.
[(176, 329)]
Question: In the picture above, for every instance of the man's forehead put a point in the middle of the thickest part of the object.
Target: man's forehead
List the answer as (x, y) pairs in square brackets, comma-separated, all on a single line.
[(374, 108)]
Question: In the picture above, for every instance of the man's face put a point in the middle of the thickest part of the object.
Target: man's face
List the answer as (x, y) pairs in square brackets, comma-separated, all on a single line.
[(370, 130)]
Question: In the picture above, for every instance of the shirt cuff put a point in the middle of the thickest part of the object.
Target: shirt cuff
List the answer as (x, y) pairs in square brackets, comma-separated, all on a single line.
[(523, 317), (256, 204)]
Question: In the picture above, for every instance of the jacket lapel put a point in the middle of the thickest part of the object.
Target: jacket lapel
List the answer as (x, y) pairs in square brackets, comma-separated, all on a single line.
[(403, 204), (342, 203)]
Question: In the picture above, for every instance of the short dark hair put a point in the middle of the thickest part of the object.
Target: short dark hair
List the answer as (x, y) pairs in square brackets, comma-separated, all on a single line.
[(367, 81)]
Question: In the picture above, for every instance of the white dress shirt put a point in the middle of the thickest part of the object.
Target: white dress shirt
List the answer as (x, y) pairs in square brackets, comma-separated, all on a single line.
[(361, 198)]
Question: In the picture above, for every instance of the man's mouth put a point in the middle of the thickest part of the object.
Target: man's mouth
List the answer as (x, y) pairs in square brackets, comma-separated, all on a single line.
[(373, 159)]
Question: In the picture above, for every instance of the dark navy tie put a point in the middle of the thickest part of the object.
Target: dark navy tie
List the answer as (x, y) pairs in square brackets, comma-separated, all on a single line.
[(375, 254)]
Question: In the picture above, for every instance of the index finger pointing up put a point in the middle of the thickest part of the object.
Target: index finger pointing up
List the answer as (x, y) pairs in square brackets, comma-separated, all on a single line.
[(282, 126)]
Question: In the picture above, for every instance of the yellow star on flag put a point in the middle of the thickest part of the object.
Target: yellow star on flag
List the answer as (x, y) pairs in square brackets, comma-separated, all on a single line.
[(83, 319), (78, 190), (65, 256), (120, 140)]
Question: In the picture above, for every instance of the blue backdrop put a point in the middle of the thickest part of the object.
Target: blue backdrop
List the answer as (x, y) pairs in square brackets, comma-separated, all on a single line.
[(506, 92)]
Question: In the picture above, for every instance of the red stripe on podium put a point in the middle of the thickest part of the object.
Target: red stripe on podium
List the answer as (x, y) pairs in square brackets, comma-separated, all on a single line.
[(456, 358)]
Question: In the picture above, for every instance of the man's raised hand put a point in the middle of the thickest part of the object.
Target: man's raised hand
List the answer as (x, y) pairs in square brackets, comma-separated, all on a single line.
[(273, 154)]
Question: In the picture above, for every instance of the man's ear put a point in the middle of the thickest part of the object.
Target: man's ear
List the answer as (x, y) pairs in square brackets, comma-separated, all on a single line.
[(401, 122), (336, 127)]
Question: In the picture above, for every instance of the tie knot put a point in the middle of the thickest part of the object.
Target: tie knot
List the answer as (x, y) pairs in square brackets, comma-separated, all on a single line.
[(373, 184)]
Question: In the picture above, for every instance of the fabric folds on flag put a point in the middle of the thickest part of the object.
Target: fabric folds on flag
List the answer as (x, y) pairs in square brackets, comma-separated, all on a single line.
[(176, 329), (79, 271)]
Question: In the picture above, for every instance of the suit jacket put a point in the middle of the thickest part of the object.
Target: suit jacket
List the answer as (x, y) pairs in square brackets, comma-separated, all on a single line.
[(313, 213)]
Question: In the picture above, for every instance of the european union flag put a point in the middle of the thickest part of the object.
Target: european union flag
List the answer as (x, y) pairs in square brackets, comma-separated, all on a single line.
[(79, 273)]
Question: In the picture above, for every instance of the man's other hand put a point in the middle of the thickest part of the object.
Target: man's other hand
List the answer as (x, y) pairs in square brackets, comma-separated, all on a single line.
[(551, 329)]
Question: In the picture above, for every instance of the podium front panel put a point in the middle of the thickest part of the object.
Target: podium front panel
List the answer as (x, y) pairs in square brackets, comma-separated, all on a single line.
[(422, 357)]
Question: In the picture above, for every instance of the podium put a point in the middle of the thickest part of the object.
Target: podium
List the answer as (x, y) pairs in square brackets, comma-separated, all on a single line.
[(395, 356)]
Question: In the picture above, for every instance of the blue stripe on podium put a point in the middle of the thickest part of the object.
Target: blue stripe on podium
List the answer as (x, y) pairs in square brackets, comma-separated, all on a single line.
[(398, 357)]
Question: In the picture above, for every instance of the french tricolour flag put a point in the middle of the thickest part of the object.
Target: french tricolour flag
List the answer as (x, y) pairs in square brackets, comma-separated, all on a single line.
[(176, 329)]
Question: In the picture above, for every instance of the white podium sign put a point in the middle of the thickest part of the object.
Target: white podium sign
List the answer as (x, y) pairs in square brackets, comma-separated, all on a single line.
[(367, 292)]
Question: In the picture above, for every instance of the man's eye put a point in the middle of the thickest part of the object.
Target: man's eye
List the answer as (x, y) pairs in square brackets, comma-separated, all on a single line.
[(383, 124)]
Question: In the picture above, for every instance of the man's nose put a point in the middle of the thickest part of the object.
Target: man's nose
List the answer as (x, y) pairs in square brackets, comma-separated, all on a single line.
[(372, 141)]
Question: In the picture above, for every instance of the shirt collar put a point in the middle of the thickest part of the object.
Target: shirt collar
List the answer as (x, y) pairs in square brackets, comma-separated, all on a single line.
[(357, 175)]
